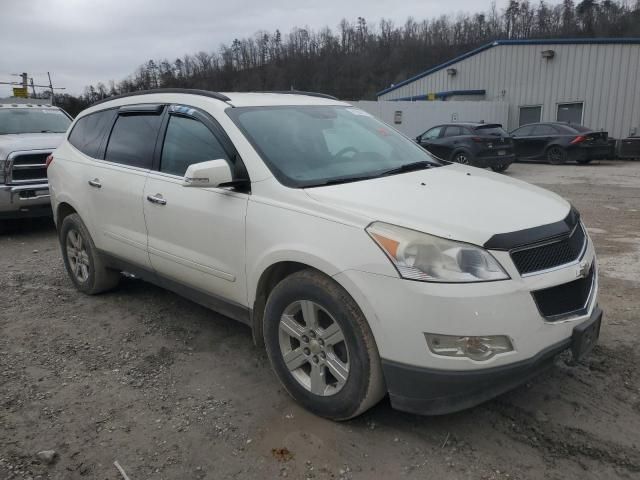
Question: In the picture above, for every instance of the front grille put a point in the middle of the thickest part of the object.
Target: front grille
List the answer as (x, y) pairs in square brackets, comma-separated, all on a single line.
[(564, 250), (557, 302), (28, 167)]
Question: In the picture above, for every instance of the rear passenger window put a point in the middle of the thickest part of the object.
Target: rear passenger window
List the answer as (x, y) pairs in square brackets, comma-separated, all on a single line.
[(188, 141), (133, 139), (540, 130), (453, 132), (88, 132)]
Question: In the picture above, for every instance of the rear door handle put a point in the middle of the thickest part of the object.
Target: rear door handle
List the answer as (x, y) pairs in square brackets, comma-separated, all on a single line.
[(95, 183), (157, 199)]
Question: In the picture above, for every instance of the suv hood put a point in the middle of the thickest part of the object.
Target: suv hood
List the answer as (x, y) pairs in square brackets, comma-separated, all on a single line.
[(456, 202), (29, 141)]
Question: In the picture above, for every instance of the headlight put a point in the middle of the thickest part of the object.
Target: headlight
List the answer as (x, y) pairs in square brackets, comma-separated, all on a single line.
[(419, 256)]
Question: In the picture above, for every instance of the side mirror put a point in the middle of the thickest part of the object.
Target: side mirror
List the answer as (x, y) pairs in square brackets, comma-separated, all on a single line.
[(419, 138), (214, 173)]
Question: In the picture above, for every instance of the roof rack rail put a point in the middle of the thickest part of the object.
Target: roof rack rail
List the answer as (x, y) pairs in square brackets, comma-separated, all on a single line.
[(188, 91), (300, 92)]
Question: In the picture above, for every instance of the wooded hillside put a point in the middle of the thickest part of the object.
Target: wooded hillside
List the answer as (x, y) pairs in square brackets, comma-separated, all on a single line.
[(359, 58)]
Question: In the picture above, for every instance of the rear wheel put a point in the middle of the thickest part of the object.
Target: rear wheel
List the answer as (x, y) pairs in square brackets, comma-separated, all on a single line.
[(321, 348), (462, 157), (556, 155), (81, 259)]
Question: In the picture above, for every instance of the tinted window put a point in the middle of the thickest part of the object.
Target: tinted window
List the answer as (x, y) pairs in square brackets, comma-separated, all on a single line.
[(33, 120), (494, 130), (580, 128), (540, 130), (431, 134), (188, 141), (133, 139), (523, 132), (530, 115), (88, 132), (453, 131)]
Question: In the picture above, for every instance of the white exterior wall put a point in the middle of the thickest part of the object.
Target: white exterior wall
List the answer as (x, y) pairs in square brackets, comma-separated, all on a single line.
[(605, 77), (418, 117)]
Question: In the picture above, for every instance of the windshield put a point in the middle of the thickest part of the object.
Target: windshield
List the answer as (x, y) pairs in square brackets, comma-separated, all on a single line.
[(33, 120), (307, 146)]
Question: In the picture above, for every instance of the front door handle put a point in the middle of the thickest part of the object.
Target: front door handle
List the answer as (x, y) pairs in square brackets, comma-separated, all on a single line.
[(157, 199), (95, 183)]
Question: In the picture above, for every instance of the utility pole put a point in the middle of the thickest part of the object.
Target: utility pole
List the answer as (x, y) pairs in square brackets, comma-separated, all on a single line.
[(26, 82), (53, 97)]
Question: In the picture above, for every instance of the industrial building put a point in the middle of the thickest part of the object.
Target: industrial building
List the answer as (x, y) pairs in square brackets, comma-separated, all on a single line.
[(594, 82)]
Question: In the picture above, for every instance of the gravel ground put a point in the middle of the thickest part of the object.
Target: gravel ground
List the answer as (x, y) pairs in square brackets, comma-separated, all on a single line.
[(173, 391)]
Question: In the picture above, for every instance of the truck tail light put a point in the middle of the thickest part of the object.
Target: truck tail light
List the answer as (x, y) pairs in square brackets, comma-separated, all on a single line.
[(578, 139), (48, 161)]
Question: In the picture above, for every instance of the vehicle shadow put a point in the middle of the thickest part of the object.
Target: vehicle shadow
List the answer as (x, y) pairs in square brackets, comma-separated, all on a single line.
[(26, 226)]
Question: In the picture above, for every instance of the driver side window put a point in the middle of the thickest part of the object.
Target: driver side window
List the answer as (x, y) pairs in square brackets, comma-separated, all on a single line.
[(432, 134), (188, 141)]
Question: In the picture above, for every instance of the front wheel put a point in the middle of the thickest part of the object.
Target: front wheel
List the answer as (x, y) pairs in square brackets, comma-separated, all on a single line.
[(321, 347), (81, 259), (556, 155)]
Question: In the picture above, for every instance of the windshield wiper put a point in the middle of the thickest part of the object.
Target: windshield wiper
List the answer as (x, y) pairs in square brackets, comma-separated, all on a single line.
[(409, 167), (338, 181)]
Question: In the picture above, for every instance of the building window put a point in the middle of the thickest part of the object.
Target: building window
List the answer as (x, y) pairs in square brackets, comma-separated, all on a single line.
[(531, 114), (570, 112)]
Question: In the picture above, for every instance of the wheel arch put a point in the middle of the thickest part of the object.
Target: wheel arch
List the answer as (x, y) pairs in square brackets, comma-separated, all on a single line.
[(461, 150), (270, 276), (63, 210)]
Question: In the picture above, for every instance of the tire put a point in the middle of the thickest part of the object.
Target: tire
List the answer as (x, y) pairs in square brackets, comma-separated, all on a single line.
[(556, 155), (81, 259), (500, 168), (462, 157), (319, 327)]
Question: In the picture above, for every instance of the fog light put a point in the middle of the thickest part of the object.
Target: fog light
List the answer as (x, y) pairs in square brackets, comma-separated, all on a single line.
[(475, 348)]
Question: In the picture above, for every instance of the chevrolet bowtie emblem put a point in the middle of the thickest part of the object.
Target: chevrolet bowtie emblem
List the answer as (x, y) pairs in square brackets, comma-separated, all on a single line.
[(582, 270)]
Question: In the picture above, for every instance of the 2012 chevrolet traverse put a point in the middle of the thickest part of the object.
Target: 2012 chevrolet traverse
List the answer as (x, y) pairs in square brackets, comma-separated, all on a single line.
[(363, 264)]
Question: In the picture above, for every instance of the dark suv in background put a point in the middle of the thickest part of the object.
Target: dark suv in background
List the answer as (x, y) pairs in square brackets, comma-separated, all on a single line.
[(477, 144), (558, 142)]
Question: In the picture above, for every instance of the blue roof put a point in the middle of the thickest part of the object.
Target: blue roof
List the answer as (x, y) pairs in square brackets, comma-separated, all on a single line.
[(542, 41)]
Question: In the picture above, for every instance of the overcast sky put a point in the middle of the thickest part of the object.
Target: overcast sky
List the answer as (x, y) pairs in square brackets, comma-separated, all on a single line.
[(82, 42)]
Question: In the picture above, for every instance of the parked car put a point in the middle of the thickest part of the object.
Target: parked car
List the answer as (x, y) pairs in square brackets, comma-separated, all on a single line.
[(28, 135), (558, 142), (361, 262), (477, 144)]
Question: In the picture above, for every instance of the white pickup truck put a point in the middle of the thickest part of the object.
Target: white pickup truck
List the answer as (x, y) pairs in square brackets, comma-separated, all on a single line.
[(29, 132)]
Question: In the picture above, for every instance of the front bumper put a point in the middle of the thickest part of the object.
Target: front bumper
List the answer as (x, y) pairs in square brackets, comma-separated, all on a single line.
[(436, 392), (401, 311), (24, 201)]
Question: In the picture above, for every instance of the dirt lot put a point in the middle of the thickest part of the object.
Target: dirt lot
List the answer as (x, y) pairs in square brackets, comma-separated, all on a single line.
[(173, 391)]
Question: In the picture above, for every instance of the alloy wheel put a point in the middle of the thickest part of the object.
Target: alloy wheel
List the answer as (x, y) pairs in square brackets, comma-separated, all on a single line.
[(77, 256), (313, 348), (462, 158)]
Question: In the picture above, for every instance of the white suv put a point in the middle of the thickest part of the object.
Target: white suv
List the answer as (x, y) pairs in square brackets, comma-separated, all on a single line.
[(363, 264)]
